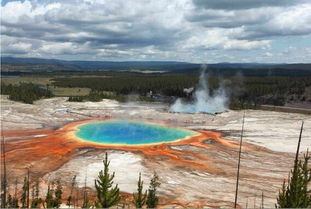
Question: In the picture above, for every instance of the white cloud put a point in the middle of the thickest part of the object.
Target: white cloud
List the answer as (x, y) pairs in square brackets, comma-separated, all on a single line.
[(18, 47), (15, 11), (183, 30), (294, 20), (246, 45)]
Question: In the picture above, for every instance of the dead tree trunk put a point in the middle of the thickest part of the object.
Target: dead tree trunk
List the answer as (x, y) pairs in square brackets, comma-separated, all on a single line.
[(239, 161), (4, 176)]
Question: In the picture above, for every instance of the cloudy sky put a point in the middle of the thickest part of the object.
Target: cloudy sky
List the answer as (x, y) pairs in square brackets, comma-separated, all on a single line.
[(209, 31)]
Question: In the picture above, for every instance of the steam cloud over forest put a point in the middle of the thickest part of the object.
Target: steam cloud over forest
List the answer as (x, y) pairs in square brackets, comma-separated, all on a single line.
[(203, 100)]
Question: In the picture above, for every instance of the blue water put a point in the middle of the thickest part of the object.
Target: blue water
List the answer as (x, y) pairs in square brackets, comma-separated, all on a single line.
[(129, 133)]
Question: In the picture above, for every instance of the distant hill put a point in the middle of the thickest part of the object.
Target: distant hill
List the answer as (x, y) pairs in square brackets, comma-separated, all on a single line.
[(100, 65), (33, 65)]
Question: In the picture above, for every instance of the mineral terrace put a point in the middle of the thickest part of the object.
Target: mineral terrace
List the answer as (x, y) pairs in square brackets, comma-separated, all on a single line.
[(193, 173)]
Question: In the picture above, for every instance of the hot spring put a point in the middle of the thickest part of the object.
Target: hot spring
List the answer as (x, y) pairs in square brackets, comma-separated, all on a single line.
[(203, 100), (123, 132)]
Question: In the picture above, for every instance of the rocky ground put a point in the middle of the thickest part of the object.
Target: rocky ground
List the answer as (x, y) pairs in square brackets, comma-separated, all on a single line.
[(266, 159)]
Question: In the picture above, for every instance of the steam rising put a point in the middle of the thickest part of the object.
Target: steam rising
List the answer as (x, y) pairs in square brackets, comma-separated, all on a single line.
[(203, 100)]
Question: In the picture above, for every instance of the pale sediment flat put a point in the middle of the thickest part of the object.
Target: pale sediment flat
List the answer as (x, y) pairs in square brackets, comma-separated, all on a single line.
[(277, 131), (261, 170)]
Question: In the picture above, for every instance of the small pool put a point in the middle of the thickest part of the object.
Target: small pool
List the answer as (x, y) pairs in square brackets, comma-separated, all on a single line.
[(130, 132)]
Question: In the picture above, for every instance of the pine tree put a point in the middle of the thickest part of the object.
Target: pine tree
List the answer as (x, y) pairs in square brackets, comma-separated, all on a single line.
[(86, 200), (10, 201), (140, 198), (295, 194), (25, 193), (152, 199), (15, 203), (54, 195), (49, 198), (106, 195), (58, 195), (32, 197), (15, 198), (35, 196)]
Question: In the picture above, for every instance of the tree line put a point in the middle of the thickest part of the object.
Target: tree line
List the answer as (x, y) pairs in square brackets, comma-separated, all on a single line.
[(168, 85), (25, 92), (243, 91)]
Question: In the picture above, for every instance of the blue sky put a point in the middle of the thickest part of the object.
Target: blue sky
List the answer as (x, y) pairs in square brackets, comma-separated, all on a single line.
[(3, 2), (208, 31)]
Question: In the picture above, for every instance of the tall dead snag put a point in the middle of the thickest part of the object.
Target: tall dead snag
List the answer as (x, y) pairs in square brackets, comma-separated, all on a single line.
[(28, 188), (255, 201), (246, 205), (262, 200), (70, 198), (76, 200), (4, 176), (239, 161), (298, 147), (86, 201)]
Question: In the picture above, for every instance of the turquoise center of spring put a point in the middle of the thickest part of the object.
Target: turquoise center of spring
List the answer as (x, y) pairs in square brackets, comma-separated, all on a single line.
[(130, 133)]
